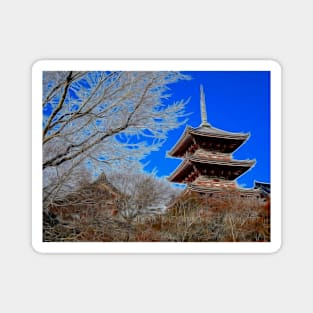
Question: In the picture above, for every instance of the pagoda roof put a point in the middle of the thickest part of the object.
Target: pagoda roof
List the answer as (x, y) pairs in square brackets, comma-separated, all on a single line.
[(187, 164), (205, 131), (265, 188), (204, 189), (232, 162), (210, 131)]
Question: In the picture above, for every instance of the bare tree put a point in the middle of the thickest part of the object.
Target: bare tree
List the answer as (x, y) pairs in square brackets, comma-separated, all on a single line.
[(142, 193), (103, 120)]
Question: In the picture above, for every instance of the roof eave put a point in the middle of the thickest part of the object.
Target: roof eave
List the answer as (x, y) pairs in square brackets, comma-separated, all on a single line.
[(174, 150), (178, 170)]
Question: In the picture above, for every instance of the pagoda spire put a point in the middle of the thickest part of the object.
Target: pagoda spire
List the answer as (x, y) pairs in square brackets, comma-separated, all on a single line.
[(204, 118), (208, 166)]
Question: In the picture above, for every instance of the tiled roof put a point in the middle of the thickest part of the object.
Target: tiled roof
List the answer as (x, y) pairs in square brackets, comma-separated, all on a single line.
[(207, 132), (265, 188), (244, 163), (204, 189), (187, 163)]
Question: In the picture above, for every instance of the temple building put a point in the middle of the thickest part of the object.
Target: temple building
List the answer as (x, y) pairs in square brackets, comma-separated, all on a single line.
[(208, 166)]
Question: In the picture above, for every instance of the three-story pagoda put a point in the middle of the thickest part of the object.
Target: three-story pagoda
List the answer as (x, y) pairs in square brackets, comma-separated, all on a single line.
[(208, 165)]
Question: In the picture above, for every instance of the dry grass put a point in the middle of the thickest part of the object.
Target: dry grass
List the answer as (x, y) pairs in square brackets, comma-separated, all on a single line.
[(191, 219)]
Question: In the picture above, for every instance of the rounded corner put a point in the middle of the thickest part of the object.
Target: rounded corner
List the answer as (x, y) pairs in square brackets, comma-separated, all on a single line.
[(276, 65), (36, 248), (37, 65), (277, 247)]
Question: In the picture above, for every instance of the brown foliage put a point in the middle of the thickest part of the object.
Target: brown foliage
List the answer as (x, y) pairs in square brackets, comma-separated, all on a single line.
[(192, 218)]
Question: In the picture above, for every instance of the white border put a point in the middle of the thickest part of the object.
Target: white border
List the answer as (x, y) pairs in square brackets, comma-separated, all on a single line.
[(157, 247)]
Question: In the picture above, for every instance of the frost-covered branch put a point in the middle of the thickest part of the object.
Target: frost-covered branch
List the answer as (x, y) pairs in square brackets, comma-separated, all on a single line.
[(107, 119)]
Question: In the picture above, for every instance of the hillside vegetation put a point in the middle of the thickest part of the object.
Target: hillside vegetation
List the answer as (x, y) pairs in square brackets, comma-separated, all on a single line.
[(99, 213)]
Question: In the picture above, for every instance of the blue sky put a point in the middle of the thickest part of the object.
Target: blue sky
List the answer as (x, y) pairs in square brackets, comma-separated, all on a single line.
[(236, 102)]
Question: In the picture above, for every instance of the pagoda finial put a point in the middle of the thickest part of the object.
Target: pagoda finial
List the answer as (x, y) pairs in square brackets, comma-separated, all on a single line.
[(204, 121)]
